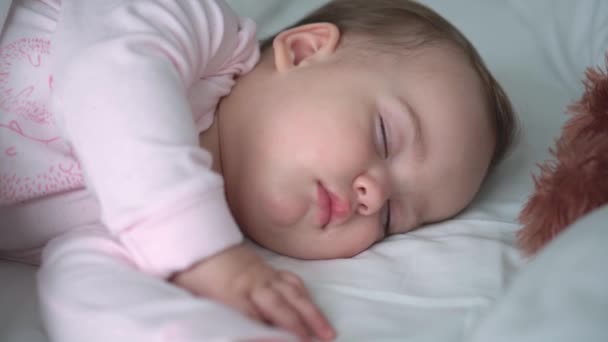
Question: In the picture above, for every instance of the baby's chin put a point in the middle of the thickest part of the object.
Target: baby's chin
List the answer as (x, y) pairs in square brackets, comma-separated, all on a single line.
[(303, 240), (307, 250)]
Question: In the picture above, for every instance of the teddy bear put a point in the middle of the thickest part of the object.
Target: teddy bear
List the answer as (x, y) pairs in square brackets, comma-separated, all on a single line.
[(574, 180)]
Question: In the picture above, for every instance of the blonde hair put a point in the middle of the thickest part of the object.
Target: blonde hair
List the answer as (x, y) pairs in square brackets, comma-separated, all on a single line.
[(406, 24)]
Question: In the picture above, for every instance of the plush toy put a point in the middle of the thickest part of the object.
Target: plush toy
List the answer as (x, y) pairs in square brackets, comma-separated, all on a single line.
[(575, 180)]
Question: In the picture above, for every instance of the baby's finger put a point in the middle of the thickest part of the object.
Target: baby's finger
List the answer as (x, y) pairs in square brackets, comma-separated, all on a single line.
[(277, 311), (246, 308), (292, 279), (302, 303)]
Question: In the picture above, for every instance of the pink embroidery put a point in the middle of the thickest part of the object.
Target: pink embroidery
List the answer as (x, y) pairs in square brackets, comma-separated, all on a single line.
[(22, 100), (14, 126), (35, 63), (14, 188), (41, 161)]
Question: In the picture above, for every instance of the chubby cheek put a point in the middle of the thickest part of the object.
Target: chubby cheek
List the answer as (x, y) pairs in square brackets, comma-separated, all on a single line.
[(282, 208), (324, 140), (265, 193)]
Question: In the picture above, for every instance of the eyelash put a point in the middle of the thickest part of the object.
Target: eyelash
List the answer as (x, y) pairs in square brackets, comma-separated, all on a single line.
[(384, 139), (387, 222)]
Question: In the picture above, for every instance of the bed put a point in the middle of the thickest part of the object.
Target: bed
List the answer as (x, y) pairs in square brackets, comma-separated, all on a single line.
[(461, 279)]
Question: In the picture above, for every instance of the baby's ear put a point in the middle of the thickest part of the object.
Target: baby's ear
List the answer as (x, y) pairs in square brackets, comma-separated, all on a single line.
[(301, 45)]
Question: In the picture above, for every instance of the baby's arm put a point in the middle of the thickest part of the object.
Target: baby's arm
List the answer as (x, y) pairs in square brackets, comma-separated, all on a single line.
[(240, 278), (90, 291), (128, 82), (128, 87)]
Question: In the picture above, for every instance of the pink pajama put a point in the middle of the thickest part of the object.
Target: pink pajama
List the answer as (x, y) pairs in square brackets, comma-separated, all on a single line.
[(91, 290), (101, 104)]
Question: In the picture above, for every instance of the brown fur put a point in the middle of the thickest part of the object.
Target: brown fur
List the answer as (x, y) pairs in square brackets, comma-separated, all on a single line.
[(575, 181)]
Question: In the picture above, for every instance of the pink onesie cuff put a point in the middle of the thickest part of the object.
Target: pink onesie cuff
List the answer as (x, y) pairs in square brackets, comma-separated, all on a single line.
[(164, 244)]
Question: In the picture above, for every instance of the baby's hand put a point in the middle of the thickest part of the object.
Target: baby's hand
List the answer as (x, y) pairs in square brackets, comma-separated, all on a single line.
[(241, 279)]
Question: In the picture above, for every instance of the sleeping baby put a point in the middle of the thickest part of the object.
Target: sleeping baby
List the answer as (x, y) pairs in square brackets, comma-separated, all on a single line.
[(154, 135)]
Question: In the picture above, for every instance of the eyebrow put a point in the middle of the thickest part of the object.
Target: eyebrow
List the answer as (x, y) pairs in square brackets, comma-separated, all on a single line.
[(418, 137)]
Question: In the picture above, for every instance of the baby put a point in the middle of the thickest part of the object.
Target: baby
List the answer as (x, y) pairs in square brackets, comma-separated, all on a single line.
[(147, 135)]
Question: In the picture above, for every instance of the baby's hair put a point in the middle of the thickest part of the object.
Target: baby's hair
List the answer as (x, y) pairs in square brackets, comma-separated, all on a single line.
[(410, 25)]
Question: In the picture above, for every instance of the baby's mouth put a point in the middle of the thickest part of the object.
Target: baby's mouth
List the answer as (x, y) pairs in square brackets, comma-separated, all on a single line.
[(330, 206), (324, 204)]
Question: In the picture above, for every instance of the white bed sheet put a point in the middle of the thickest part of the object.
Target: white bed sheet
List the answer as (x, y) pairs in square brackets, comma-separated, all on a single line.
[(434, 284)]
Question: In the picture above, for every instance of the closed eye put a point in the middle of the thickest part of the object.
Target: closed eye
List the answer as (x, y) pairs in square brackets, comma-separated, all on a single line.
[(387, 209), (384, 137)]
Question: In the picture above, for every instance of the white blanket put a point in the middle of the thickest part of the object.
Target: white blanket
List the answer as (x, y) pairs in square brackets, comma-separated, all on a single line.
[(449, 281)]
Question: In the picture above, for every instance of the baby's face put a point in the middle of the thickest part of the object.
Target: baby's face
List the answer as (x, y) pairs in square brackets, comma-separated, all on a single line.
[(317, 160)]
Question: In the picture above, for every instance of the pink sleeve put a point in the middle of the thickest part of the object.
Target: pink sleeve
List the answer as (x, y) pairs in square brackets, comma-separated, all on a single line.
[(134, 83), (89, 292)]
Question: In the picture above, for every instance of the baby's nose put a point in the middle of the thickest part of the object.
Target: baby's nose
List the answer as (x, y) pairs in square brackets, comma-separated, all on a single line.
[(371, 194)]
